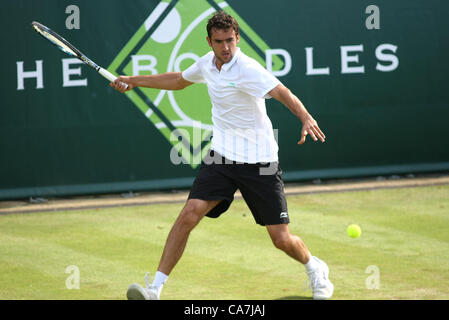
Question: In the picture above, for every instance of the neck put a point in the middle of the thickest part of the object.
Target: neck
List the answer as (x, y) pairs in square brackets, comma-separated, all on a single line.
[(218, 63)]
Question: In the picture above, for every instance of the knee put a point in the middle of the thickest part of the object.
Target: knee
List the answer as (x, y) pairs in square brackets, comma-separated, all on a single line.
[(282, 242), (190, 215)]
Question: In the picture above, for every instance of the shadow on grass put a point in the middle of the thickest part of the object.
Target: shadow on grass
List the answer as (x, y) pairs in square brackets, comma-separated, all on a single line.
[(294, 298)]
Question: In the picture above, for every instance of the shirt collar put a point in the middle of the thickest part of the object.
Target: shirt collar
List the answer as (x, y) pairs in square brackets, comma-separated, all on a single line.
[(228, 65)]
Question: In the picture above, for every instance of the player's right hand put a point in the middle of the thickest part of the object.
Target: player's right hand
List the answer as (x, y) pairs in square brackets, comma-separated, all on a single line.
[(119, 84)]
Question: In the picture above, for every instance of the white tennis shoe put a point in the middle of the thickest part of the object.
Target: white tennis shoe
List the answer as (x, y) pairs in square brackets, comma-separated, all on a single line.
[(320, 284), (137, 292)]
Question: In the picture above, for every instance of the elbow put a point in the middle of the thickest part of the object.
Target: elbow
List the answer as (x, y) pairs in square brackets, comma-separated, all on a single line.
[(180, 82), (281, 93), (179, 86), (285, 95)]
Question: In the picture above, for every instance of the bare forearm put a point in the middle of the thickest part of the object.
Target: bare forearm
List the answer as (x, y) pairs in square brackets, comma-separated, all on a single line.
[(165, 81), (309, 125), (296, 106), (292, 102)]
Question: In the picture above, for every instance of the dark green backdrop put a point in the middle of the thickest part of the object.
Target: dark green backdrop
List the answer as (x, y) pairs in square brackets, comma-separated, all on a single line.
[(67, 141)]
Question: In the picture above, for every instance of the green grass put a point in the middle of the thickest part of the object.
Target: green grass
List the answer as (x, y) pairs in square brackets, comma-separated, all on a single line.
[(405, 234)]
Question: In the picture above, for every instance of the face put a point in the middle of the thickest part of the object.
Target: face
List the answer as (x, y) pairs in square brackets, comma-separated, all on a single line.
[(224, 44)]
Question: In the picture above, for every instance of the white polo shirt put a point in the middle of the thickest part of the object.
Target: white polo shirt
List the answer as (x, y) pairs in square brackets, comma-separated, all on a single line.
[(242, 130)]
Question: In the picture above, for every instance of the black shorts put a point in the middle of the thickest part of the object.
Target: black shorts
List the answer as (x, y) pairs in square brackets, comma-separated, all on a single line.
[(261, 186)]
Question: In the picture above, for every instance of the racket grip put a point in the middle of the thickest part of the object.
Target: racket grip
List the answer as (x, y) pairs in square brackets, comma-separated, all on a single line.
[(105, 73)]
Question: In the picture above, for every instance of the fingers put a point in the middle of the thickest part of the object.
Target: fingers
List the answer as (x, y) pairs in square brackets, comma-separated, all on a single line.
[(120, 85), (318, 133), (303, 137), (315, 132)]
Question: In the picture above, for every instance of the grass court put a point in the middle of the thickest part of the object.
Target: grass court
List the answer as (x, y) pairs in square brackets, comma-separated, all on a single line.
[(403, 252)]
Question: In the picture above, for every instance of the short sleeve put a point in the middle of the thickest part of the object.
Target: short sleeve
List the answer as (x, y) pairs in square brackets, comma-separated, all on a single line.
[(258, 81), (193, 74)]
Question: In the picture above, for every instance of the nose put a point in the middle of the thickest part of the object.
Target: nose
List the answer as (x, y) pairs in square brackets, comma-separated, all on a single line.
[(225, 46)]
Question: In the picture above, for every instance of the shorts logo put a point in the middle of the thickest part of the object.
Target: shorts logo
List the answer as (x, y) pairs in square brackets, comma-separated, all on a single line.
[(170, 40), (283, 215)]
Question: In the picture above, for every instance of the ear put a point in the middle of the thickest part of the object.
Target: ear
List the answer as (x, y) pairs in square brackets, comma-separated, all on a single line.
[(237, 38), (209, 41)]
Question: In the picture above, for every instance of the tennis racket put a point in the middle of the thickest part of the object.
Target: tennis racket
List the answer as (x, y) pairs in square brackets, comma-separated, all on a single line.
[(68, 48)]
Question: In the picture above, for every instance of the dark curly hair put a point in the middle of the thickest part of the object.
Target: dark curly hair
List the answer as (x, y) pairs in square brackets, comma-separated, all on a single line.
[(222, 21)]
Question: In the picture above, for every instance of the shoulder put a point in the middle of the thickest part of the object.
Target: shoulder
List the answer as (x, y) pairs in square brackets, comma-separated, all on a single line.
[(249, 64), (247, 60), (250, 67), (254, 78), (206, 59)]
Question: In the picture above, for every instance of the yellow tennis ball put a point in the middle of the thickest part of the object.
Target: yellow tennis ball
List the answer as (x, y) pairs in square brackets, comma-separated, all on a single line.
[(354, 231)]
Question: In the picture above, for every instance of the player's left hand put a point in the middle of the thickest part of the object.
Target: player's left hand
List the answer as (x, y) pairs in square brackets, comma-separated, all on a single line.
[(310, 126)]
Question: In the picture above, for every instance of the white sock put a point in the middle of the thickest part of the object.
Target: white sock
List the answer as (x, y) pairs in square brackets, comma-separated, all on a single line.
[(311, 264), (159, 280)]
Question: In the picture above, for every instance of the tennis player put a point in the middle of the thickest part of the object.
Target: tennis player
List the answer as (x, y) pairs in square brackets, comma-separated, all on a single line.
[(238, 87)]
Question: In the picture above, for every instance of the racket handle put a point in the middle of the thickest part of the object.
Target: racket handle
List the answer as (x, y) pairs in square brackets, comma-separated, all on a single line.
[(105, 73)]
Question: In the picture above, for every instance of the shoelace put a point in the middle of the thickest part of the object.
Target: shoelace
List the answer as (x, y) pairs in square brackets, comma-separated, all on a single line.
[(148, 279), (149, 284), (315, 279)]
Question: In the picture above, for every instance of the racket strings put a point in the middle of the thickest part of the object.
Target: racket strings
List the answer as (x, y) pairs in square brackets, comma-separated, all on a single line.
[(57, 42)]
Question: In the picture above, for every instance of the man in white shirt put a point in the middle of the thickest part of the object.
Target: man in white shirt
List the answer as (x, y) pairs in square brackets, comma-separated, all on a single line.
[(243, 154)]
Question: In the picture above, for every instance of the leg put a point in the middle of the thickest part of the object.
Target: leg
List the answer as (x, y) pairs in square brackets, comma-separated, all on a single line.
[(317, 270), (190, 216), (289, 243)]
